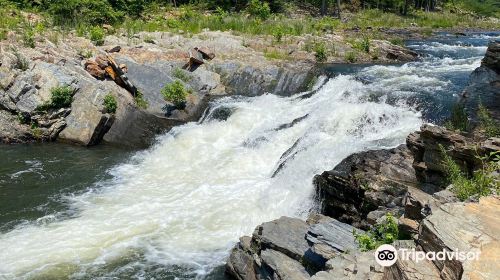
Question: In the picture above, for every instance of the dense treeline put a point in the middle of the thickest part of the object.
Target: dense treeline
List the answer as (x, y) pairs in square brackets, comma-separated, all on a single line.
[(111, 11)]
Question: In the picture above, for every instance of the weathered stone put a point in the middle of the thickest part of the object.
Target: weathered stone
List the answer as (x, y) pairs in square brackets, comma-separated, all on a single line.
[(240, 264), (484, 84), (286, 235), (95, 70), (364, 181), (417, 203), (466, 227), (283, 267), (428, 158), (358, 266), (410, 269), (407, 227)]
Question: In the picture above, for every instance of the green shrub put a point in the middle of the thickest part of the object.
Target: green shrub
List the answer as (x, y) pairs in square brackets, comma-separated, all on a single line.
[(482, 182), (110, 103), (3, 34), (275, 54), (97, 35), (362, 45), (61, 97), (384, 233), (23, 118), (459, 120), (350, 57), (487, 123), (28, 37), (175, 93), (278, 34), (181, 75), (320, 52), (259, 9), (140, 101)]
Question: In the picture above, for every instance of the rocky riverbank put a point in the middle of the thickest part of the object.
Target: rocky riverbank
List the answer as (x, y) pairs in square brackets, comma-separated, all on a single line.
[(241, 66), (411, 183)]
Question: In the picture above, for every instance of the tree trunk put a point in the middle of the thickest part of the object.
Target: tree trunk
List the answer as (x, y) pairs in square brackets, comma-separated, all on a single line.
[(323, 7)]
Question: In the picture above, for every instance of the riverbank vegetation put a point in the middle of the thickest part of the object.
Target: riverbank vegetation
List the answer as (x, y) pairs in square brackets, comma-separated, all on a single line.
[(274, 17)]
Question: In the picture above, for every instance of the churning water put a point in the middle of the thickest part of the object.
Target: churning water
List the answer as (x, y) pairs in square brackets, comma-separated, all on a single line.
[(175, 210)]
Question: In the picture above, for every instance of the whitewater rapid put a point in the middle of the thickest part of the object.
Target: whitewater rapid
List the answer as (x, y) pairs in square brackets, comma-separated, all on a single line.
[(185, 201)]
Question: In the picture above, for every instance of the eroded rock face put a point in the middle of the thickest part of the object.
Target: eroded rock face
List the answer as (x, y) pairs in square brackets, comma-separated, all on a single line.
[(484, 84), (466, 227), (428, 158), (365, 181)]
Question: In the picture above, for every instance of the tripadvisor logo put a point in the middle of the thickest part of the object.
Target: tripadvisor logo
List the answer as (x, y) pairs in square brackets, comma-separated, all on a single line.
[(387, 255)]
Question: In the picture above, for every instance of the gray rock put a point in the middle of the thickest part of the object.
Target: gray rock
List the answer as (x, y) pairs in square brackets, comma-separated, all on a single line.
[(364, 181), (335, 234), (283, 267), (286, 235)]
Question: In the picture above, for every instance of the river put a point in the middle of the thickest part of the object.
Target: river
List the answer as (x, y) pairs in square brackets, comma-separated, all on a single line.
[(175, 210)]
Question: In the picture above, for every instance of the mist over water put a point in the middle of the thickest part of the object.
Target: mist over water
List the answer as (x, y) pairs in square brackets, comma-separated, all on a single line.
[(176, 209)]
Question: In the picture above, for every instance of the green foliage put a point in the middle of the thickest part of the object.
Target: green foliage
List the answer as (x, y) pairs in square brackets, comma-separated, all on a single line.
[(397, 41), (85, 53), (459, 120), (175, 93), (278, 34), (61, 97), (149, 39), (181, 75), (23, 118), (72, 12), (487, 123), (110, 103), (275, 54), (481, 183), (259, 9), (140, 101), (28, 37), (3, 34), (350, 57), (320, 52), (362, 45), (97, 35), (384, 233)]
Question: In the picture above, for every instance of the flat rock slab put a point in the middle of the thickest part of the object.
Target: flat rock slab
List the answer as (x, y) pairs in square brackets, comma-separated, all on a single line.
[(286, 235), (467, 227), (335, 234)]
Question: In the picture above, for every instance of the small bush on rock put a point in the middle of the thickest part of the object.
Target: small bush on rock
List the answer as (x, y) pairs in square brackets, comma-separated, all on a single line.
[(490, 127), (320, 52), (61, 97), (384, 233), (110, 103), (482, 182), (140, 101), (459, 120), (175, 93), (97, 35), (181, 75)]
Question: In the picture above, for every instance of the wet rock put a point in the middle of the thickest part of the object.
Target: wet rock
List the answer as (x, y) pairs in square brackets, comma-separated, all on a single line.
[(394, 52), (364, 181), (240, 264), (466, 227)]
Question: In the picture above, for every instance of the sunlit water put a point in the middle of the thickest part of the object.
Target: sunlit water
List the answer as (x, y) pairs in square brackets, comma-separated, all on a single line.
[(175, 210)]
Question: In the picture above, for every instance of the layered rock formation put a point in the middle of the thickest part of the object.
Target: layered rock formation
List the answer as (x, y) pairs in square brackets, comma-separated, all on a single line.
[(484, 83)]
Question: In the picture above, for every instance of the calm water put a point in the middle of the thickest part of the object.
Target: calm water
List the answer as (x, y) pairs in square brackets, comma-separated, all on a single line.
[(174, 210)]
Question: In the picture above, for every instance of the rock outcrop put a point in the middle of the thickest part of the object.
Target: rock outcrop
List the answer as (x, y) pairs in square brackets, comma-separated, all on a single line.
[(484, 84), (365, 182), (428, 157)]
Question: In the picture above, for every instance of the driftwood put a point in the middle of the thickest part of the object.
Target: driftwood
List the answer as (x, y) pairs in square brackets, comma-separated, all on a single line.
[(104, 66), (197, 57)]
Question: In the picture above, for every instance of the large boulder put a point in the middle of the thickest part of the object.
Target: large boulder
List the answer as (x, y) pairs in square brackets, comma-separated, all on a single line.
[(365, 182)]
